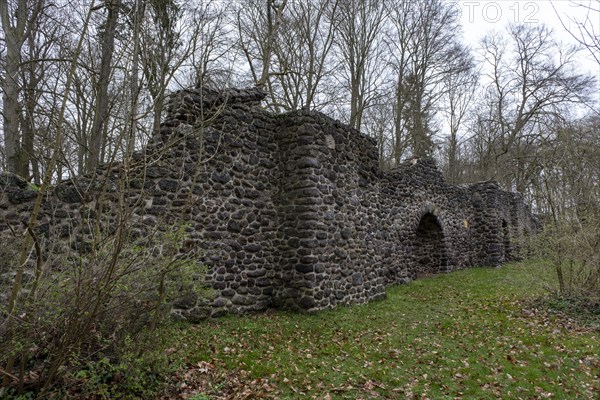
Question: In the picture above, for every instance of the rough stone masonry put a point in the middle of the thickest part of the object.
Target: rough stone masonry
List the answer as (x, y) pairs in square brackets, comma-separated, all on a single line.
[(288, 211)]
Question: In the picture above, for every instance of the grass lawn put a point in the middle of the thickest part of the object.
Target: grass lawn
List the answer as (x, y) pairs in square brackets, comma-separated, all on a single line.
[(473, 334)]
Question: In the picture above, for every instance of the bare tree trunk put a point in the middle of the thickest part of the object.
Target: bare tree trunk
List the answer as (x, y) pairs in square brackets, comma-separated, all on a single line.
[(159, 102), (303, 48), (400, 134), (134, 84), (359, 25), (16, 31), (31, 81), (273, 25), (99, 125), (420, 134), (10, 93), (14, 36), (158, 52)]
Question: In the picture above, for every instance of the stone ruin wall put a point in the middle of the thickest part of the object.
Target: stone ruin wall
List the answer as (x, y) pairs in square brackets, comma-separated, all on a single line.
[(288, 211)]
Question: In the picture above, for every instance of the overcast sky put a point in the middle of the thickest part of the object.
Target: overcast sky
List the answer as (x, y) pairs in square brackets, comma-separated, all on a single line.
[(479, 17)]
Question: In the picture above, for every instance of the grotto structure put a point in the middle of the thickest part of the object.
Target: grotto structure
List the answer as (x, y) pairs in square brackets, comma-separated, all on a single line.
[(285, 210)]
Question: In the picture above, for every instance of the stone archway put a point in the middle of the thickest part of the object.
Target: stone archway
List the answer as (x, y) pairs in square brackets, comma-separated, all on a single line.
[(429, 248)]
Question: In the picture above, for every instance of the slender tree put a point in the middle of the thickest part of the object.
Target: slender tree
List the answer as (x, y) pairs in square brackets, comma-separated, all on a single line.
[(359, 27), (303, 54), (101, 111), (428, 55), (212, 40), (460, 93), (19, 19), (258, 24)]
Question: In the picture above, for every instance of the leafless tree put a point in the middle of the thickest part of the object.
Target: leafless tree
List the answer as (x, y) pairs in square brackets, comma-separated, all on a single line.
[(274, 13), (303, 54), (379, 125), (427, 52), (101, 111), (358, 39), (162, 40), (212, 40), (460, 93), (19, 19), (585, 30), (531, 79), (178, 45), (258, 24)]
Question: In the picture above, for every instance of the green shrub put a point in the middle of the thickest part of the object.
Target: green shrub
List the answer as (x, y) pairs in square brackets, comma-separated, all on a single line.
[(573, 248), (96, 313)]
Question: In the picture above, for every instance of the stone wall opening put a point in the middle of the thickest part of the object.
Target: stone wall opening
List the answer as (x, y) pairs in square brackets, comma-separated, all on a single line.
[(429, 247)]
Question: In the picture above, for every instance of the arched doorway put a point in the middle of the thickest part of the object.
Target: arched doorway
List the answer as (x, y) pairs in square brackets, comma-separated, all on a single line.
[(429, 247)]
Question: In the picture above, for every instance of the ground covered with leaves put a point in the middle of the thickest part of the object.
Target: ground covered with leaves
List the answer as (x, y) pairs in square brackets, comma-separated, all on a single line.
[(479, 333), (484, 333)]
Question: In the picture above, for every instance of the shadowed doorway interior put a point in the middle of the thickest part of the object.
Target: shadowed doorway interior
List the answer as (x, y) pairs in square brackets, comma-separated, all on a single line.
[(429, 248)]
